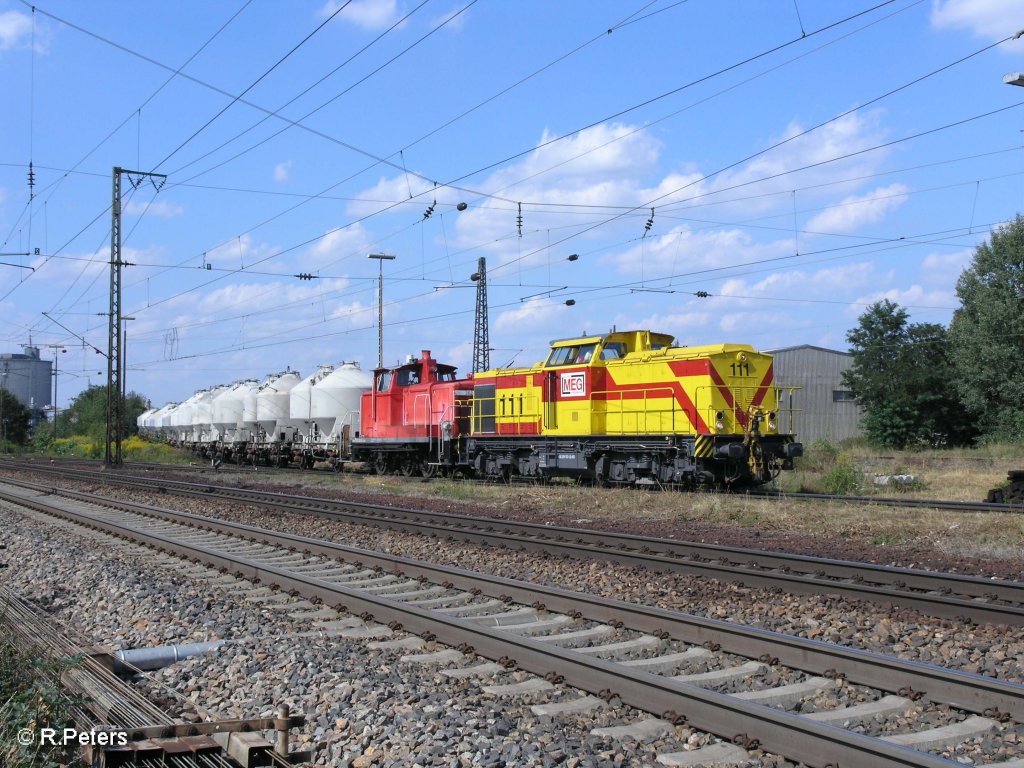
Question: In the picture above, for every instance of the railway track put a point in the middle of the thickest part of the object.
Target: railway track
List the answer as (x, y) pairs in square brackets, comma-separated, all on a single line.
[(946, 505), (900, 501), (953, 596), (605, 649)]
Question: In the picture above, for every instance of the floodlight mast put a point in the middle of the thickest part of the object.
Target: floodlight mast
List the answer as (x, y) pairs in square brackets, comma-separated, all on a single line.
[(481, 333)]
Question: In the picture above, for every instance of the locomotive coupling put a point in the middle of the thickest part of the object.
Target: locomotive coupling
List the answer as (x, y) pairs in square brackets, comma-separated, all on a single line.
[(793, 450), (734, 451)]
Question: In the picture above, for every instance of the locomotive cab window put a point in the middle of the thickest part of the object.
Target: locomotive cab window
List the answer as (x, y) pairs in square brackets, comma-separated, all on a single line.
[(562, 356), (384, 381), (408, 376), (613, 350), (575, 355)]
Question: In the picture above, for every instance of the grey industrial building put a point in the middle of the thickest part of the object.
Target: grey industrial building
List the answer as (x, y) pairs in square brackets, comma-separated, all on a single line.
[(825, 407), (27, 378)]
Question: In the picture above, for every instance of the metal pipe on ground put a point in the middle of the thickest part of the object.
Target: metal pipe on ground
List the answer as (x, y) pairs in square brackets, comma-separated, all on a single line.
[(148, 659)]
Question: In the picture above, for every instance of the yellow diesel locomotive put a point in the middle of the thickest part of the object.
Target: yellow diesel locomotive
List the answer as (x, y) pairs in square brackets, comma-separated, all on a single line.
[(628, 407)]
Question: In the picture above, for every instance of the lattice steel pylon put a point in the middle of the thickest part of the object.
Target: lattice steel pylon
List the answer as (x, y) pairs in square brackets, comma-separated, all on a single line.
[(481, 336), (115, 404)]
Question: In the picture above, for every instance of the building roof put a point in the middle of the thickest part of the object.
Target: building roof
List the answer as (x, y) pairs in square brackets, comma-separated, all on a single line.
[(808, 346)]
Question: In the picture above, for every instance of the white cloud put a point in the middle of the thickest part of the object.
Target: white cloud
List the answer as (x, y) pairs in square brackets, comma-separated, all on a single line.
[(461, 356), (454, 23), (402, 187), (585, 159), (535, 313), (159, 208), (914, 296), (989, 19), (854, 132), (15, 31), (745, 322), (683, 251), (338, 245), (799, 283), (369, 14), (945, 268), (853, 212), (282, 171)]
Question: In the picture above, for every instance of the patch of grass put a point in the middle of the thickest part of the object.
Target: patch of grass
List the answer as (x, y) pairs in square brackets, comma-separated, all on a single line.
[(748, 517), (33, 699), (449, 489)]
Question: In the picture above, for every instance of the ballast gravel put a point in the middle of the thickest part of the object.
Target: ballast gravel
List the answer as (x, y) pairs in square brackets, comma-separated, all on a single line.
[(981, 649), (363, 707), (381, 712)]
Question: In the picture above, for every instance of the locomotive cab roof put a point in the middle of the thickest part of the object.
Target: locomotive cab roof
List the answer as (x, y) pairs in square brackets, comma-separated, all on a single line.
[(422, 371)]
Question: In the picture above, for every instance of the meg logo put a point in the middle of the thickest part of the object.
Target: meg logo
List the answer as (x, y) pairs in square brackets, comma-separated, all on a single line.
[(574, 384)]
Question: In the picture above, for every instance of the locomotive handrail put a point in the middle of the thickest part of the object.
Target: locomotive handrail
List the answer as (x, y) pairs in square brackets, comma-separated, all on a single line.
[(420, 396)]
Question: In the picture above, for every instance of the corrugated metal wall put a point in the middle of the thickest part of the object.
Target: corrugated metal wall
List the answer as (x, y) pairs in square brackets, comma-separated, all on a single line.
[(823, 414)]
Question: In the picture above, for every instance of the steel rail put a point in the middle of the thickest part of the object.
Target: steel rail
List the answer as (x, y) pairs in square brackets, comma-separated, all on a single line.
[(947, 595), (885, 501), (898, 501), (795, 737), (975, 693)]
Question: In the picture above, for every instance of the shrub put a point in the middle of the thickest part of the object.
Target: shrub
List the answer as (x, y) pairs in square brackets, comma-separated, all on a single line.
[(844, 477)]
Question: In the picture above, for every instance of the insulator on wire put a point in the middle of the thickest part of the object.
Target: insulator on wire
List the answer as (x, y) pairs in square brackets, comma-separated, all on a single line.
[(430, 211), (519, 220), (649, 224)]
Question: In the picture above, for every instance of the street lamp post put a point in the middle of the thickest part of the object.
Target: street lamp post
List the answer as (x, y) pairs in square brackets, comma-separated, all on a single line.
[(56, 367), (124, 361), (381, 258), (3, 424)]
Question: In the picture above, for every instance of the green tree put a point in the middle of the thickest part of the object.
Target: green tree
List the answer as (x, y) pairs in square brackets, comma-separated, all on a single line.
[(87, 414), (987, 334), (901, 376), (14, 419)]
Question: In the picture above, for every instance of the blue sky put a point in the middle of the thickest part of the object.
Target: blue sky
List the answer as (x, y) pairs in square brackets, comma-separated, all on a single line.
[(802, 159)]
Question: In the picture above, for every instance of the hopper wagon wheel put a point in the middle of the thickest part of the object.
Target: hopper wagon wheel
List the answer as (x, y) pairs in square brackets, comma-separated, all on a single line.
[(427, 469), (380, 464)]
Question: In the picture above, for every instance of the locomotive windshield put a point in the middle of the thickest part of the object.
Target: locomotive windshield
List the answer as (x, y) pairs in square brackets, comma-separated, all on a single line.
[(407, 376), (576, 354)]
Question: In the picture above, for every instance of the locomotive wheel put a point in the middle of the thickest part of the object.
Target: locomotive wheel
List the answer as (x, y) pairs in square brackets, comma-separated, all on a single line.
[(407, 467), (380, 464), (427, 469)]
